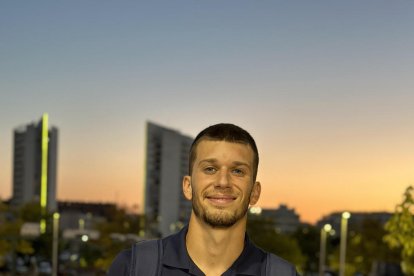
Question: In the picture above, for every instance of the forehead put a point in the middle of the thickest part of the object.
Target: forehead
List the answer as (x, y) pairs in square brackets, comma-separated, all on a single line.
[(222, 150)]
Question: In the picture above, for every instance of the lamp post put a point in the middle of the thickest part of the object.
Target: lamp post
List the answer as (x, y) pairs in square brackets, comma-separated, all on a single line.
[(342, 253), (56, 217), (322, 250)]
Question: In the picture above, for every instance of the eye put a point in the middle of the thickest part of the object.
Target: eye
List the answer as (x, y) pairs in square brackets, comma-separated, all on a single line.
[(239, 172), (209, 170)]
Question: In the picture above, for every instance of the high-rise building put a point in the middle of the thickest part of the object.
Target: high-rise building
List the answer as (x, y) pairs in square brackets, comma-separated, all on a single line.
[(166, 208), (35, 164)]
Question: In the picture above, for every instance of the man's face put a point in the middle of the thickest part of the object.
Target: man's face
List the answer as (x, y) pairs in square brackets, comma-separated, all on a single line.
[(221, 186)]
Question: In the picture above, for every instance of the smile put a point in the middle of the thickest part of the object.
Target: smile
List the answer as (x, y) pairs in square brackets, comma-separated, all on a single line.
[(221, 199)]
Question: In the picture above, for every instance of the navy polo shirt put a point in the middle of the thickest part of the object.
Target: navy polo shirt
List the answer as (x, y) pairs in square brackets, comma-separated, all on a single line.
[(176, 261)]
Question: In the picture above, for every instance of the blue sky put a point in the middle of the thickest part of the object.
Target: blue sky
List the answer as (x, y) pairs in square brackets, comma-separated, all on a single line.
[(325, 85)]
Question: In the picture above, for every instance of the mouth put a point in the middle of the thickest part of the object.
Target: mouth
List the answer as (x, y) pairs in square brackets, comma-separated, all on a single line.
[(220, 199)]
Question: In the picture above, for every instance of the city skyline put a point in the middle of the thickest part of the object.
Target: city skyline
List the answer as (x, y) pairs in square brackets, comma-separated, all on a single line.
[(324, 88), (139, 202)]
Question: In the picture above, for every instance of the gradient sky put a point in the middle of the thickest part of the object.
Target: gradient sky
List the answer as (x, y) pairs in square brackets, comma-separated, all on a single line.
[(325, 87)]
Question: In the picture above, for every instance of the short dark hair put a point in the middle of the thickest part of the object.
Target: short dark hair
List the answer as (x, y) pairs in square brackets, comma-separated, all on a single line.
[(224, 132)]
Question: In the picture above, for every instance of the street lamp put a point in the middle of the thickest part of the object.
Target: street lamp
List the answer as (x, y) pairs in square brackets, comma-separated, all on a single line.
[(84, 238), (322, 250), (342, 253), (56, 217)]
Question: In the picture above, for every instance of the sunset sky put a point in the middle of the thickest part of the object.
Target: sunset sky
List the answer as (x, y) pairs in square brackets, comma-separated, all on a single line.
[(325, 87)]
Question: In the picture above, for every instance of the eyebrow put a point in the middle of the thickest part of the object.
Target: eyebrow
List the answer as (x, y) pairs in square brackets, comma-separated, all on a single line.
[(214, 160), (239, 163)]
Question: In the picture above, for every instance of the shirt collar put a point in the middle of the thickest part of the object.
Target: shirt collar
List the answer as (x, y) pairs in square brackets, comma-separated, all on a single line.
[(175, 250), (250, 260), (175, 255)]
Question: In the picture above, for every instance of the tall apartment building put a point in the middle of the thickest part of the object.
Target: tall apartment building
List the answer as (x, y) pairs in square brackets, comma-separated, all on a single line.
[(166, 164), (35, 164)]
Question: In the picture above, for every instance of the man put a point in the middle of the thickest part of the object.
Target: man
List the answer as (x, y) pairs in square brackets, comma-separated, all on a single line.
[(221, 185)]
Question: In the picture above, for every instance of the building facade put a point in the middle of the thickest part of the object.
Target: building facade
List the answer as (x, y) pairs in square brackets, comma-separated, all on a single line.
[(35, 164), (355, 221), (285, 219), (282, 219), (167, 151)]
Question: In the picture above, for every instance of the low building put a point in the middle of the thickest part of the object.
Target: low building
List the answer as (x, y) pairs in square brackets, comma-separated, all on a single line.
[(355, 221), (284, 219), (83, 216)]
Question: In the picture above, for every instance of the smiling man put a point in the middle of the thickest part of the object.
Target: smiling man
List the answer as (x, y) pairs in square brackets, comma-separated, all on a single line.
[(221, 185)]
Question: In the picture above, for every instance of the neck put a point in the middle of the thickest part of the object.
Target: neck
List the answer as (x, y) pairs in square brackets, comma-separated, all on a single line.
[(214, 250)]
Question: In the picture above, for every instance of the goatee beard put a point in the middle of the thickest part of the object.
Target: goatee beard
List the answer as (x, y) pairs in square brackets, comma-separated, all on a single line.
[(219, 218)]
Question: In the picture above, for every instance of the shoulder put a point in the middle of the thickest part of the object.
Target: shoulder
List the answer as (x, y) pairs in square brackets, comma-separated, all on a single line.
[(272, 264), (278, 266), (147, 252), (121, 263)]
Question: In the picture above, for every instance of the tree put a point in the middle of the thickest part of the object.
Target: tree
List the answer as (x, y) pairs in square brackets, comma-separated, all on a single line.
[(400, 230), (30, 212), (11, 243), (308, 239), (120, 222), (264, 235), (364, 248)]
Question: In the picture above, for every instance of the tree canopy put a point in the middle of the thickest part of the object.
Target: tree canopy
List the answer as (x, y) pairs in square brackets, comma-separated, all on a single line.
[(400, 230)]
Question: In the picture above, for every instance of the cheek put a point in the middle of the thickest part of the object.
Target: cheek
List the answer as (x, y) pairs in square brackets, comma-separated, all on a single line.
[(194, 187), (197, 190), (202, 182)]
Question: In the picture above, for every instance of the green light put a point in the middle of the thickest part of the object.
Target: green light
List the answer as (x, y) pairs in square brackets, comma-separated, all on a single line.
[(42, 226), (43, 178), (81, 224)]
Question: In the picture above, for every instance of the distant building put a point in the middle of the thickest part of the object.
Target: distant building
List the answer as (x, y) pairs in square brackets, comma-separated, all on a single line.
[(166, 164), (355, 221), (84, 215), (285, 219), (34, 143)]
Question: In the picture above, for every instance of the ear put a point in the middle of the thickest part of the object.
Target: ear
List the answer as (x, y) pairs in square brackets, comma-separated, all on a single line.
[(187, 189), (255, 195)]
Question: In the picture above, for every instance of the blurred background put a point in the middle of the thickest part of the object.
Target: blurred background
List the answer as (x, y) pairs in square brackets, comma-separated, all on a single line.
[(99, 102)]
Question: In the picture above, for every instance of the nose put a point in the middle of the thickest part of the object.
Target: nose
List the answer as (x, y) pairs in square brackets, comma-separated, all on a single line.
[(223, 180)]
